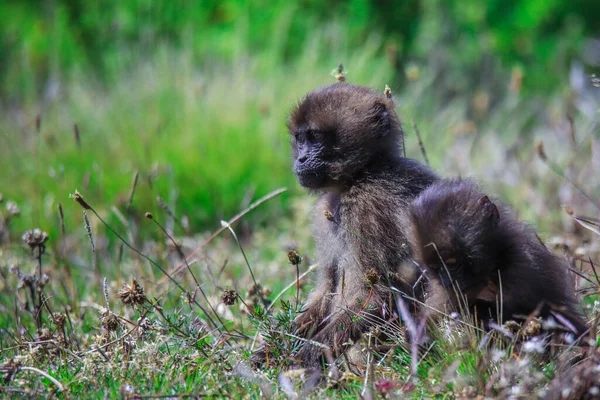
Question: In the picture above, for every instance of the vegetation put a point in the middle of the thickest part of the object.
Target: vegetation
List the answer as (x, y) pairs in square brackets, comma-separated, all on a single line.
[(179, 111)]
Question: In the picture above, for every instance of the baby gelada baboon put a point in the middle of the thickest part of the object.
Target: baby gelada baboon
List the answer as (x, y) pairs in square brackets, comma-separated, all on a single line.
[(477, 254), (347, 147)]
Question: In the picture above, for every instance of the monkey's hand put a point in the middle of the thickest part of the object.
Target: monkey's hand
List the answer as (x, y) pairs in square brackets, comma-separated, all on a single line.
[(310, 356), (310, 321), (307, 323), (314, 342), (331, 341)]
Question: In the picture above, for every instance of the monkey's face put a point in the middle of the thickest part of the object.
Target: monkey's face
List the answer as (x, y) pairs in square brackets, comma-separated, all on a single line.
[(336, 132), (456, 268), (313, 156)]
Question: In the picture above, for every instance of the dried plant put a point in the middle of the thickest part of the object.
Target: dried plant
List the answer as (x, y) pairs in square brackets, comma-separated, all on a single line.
[(132, 293)]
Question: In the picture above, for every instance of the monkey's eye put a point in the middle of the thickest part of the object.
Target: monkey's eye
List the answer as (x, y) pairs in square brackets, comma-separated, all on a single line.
[(314, 136)]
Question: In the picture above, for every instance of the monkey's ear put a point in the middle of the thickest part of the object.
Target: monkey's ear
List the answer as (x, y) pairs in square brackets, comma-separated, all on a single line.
[(490, 209), (382, 119)]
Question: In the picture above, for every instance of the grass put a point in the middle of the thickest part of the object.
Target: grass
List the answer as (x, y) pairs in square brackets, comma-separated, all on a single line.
[(210, 140), (213, 129)]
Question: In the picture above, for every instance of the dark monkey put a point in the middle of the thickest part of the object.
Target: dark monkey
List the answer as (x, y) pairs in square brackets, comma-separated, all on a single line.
[(478, 251), (346, 143)]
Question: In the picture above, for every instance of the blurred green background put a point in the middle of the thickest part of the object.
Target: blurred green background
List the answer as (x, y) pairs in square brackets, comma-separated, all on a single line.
[(194, 94)]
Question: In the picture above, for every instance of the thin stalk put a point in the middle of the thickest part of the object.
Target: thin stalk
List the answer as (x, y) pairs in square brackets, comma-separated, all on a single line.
[(182, 256)]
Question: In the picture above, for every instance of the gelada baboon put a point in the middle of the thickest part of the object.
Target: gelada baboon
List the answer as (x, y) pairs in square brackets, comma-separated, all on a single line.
[(347, 147), (476, 253), (346, 144)]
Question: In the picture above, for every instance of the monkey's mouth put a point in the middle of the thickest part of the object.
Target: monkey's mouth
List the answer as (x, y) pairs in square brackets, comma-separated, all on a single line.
[(310, 178)]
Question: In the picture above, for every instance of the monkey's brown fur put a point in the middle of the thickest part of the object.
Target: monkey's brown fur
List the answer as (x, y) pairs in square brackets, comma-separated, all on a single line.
[(346, 142), (478, 251)]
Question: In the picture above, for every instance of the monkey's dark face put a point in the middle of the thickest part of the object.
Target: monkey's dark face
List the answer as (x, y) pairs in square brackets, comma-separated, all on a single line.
[(337, 131), (312, 157), (457, 267)]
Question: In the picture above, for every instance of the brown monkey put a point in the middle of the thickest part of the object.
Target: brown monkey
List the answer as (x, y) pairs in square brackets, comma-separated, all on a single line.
[(479, 252), (346, 144)]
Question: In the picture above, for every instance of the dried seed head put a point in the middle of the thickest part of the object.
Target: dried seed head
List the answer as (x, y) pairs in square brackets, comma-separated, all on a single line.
[(1, 198), (187, 298), (372, 276), (328, 215), (339, 73), (533, 328), (79, 199), (512, 326), (294, 257), (100, 340), (105, 292), (10, 369), (540, 150), (26, 281), (109, 321), (43, 334), (149, 215), (35, 238), (144, 325), (12, 208), (388, 92), (132, 293), (59, 319), (88, 229), (229, 297)]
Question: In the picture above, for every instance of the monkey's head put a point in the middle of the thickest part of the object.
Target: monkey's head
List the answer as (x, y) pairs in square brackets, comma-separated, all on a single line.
[(455, 232), (338, 131)]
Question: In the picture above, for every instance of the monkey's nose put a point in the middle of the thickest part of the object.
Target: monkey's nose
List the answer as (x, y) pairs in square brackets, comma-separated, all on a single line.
[(301, 159)]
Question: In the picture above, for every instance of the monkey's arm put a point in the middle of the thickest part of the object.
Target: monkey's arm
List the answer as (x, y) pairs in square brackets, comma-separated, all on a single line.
[(318, 306), (310, 320)]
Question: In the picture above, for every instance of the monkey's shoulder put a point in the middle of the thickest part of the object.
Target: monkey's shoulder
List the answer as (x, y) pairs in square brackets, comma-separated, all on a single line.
[(391, 189)]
